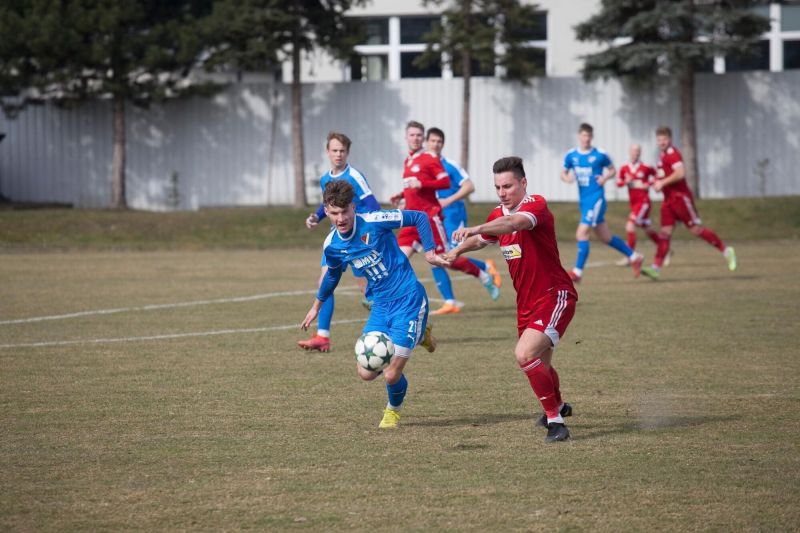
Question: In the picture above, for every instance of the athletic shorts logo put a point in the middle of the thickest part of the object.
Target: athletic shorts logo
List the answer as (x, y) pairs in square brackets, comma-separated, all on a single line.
[(513, 251), (539, 322)]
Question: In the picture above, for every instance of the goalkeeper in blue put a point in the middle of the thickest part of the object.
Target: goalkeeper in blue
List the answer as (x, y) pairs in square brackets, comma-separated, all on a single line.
[(399, 303)]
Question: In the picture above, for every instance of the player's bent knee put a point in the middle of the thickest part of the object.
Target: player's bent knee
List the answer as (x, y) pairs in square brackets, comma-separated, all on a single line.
[(365, 374), (392, 375)]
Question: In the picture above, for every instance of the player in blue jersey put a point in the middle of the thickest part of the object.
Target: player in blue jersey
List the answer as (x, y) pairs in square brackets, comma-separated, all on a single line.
[(399, 304), (337, 148), (454, 215), (592, 168)]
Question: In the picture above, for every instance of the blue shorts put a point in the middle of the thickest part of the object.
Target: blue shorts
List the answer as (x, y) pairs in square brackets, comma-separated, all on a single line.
[(452, 223), (593, 211), (402, 320)]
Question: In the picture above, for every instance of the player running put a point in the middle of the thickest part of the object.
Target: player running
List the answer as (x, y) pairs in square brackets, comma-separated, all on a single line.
[(678, 203), (399, 303), (637, 177), (525, 229), (454, 216), (423, 175), (337, 148), (592, 168)]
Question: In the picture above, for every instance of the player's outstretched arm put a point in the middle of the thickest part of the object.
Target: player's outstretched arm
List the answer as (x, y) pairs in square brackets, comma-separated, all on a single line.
[(311, 316), (313, 219), (468, 244)]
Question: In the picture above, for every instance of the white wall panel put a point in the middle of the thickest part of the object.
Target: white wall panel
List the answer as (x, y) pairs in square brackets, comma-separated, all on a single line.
[(235, 148)]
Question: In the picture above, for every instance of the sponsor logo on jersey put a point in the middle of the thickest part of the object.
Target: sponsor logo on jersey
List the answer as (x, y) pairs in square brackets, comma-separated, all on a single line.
[(415, 168), (513, 251)]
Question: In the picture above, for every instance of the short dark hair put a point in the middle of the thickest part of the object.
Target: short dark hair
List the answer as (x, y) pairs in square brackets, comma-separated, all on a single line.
[(434, 131), (341, 137), (664, 130), (509, 164), (415, 124), (585, 126), (338, 193)]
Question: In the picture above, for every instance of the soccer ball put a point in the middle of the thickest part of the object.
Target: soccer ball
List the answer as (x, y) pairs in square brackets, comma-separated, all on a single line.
[(374, 351)]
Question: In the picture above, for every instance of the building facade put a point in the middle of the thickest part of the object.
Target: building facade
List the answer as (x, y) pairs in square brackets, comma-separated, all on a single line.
[(394, 32)]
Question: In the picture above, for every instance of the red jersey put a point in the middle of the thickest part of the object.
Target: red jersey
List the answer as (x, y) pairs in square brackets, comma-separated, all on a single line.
[(532, 254), (669, 160), (636, 173), (428, 169)]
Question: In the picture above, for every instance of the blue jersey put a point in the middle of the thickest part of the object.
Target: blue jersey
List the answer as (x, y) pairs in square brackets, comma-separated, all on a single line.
[(588, 166), (456, 210), (359, 183), (372, 251)]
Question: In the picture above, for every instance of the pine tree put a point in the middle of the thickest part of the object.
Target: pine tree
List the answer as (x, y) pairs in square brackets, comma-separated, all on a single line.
[(485, 34), (669, 39), (256, 35), (137, 51)]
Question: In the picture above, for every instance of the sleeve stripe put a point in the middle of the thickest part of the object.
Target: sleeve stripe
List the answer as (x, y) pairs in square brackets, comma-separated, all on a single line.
[(530, 216), (441, 175), (488, 241)]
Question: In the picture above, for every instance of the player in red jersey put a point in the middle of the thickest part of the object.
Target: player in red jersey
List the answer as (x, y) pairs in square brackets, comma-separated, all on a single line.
[(423, 175), (525, 229), (678, 202), (637, 177)]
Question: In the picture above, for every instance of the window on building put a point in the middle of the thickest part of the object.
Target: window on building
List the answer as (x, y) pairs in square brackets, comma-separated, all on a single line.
[(410, 70), (790, 18), (413, 29), (369, 67), (374, 30), (756, 59), (791, 55)]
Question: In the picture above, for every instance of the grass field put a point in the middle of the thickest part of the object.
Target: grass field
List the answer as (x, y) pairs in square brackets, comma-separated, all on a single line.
[(162, 390)]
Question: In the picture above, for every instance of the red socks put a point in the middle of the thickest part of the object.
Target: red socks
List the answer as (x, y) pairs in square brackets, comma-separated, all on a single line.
[(466, 266), (662, 249), (653, 236), (711, 238), (632, 240), (544, 386)]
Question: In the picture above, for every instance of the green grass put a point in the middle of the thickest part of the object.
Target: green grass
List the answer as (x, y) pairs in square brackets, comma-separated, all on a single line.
[(278, 227), (686, 396)]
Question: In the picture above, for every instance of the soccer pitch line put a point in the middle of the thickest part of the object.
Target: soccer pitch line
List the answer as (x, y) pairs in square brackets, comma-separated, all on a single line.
[(155, 307), (166, 336)]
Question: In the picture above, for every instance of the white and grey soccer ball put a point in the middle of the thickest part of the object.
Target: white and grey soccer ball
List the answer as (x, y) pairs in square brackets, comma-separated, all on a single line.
[(374, 351)]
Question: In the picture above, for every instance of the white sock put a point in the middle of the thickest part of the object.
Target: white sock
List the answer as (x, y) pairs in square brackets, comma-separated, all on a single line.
[(557, 420), (483, 276), (324, 333)]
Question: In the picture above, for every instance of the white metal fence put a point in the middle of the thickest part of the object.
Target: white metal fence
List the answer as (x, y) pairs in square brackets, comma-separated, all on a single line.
[(235, 148)]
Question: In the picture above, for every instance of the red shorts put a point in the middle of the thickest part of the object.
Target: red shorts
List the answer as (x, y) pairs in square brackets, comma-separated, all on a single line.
[(550, 314), (408, 236), (679, 208), (640, 213)]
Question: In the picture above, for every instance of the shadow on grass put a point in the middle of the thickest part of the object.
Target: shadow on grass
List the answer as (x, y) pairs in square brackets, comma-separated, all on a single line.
[(649, 424), (483, 419), (723, 277)]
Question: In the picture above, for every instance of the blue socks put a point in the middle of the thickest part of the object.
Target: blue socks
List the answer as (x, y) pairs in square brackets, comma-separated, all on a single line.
[(619, 245), (583, 254), (397, 392), (325, 316), (443, 282), (478, 263)]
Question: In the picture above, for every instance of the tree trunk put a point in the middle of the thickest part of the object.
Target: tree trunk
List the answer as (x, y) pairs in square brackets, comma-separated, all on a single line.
[(118, 200), (298, 157), (689, 130), (466, 65)]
